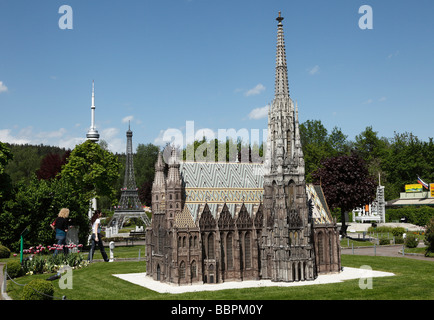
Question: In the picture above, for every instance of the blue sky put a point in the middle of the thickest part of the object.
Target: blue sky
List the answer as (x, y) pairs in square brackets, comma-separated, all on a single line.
[(162, 63)]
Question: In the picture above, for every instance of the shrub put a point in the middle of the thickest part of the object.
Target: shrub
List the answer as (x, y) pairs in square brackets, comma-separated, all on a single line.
[(429, 236), (4, 252), (399, 240), (14, 269), (398, 231), (384, 241), (411, 241), (38, 289)]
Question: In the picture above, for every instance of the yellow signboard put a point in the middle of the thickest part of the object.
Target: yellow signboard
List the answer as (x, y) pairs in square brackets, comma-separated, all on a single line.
[(431, 190), (413, 187)]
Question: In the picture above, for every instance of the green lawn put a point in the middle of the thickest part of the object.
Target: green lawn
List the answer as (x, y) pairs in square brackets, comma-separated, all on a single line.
[(414, 280)]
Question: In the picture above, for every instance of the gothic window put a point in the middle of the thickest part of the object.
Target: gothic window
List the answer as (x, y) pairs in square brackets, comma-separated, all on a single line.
[(248, 250), (182, 270), (321, 247), (229, 253), (190, 241), (170, 197), (195, 241), (183, 242), (290, 194), (288, 142), (211, 246), (193, 270), (160, 240), (156, 197)]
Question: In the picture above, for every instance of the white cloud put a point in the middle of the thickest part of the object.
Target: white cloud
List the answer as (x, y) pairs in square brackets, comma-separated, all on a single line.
[(382, 99), (390, 56), (70, 143), (5, 136), (314, 70), (3, 87), (109, 133), (259, 113), (127, 118), (52, 134), (256, 90)]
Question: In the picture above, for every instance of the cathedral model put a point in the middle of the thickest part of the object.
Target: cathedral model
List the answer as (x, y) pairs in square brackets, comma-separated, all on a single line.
[(217, 222)]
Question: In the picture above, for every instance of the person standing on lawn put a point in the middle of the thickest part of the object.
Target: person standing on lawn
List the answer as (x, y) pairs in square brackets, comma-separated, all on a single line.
[(61, 225), (96, 237)]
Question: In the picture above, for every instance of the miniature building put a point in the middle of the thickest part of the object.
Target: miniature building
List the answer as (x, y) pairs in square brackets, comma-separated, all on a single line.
[(217, 222)]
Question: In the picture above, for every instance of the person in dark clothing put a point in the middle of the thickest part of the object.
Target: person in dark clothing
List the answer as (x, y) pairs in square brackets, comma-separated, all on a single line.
[(61, 226), (96, 237)]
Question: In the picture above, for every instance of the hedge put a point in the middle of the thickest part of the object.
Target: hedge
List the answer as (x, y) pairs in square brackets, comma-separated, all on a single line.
[(416, 215)]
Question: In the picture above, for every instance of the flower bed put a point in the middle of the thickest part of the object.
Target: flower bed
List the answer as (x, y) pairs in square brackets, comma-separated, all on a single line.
[(41, 259)]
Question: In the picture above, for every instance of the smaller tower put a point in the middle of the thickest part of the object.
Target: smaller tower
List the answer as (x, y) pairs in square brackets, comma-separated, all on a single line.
[(92, 133), (129, 204), (174, 189)]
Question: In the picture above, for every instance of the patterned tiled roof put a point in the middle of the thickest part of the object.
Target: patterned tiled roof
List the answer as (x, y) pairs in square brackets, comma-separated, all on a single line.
[(218, 183), (215, 184), (184, 219), (321, 213)]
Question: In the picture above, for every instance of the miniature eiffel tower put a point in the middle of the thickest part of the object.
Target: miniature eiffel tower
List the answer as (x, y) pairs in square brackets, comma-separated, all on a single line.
[(129, 204)]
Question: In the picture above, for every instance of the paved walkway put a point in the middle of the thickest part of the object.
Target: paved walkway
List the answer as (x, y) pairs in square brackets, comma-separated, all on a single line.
[(1, 279), (384, 251)]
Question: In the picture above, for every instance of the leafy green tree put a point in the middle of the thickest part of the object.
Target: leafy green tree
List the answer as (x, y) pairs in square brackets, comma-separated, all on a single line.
[(5, 181), (35, 204), (144, 170), (144, 162), (92, 171), (318, 145)]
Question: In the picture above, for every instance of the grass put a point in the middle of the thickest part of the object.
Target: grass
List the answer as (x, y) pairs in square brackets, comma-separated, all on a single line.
[(413, 279)]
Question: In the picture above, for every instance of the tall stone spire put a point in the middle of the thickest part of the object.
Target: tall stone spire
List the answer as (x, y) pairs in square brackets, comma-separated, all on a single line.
[(285, 198), (281, 115), (281, 84), (92, 133)]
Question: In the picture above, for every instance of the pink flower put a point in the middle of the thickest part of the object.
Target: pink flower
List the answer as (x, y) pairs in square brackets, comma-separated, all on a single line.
[(15, 254)]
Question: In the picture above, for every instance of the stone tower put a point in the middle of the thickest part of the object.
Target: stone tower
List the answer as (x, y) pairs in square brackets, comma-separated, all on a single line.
[(287, 247)]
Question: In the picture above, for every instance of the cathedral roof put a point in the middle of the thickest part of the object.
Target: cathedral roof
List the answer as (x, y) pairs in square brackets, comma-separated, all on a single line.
[(320, 213), (184, 219), (234, 184), (217, 183)]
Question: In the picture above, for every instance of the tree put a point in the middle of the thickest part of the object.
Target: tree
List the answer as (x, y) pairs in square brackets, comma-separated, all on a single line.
[(346, 182), (51, 165), (35, 204), (317, 144), (5, 181), (429, 237), (92, 171)]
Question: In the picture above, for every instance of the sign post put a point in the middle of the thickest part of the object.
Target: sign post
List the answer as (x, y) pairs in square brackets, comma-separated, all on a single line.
[(25, 231)]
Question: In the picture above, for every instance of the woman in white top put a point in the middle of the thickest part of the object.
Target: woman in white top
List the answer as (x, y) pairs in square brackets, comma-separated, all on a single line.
[(96, 237)]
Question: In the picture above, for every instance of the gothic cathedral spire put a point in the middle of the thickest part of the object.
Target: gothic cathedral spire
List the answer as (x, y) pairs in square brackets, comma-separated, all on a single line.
[(281, 86), (286, 228)]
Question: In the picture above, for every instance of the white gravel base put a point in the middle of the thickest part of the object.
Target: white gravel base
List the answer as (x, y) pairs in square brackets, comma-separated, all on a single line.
[(347, 274)]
